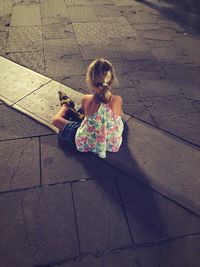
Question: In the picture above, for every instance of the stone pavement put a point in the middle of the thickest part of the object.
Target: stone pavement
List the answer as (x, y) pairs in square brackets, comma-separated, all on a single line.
[(51, 198)]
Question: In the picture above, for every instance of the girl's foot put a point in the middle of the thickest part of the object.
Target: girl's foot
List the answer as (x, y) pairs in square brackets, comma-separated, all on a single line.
[(71, 114), (64, 99)]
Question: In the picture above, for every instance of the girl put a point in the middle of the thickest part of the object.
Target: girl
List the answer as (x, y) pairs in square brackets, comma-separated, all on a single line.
[(100, 128)]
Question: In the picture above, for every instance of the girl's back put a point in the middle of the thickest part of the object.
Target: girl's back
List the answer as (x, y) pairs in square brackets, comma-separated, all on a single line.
[(91, 106), (102, 127)]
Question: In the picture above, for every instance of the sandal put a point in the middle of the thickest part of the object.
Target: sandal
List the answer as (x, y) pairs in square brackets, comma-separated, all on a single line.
[(64, 99)]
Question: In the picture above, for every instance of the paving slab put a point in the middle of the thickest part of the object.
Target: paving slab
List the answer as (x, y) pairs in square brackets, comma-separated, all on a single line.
[(77, 2), (42, 107), (6, 7), (107, 10), (57, 29), (4, 23), (3, 36), (16, 125), (127, 48), (188, 84), (40, 222), (152, 217), (22, 39), (182, 252), (82, 14), (76, 82), (123, 2), (152, 81), (67, 65), (65, 164), (90, 33), (148, 153), (147, 257), (17, 81), (100, 229), (181, 118), (22, 2), (32, 60), (50, 8), (26, 15), (60, 48), (19, 164)]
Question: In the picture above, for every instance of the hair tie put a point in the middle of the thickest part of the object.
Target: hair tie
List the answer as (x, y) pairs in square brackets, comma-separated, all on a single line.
[(105, 84)]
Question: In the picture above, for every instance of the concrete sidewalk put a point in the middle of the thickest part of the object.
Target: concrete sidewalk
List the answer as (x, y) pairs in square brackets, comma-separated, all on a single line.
[(146, 150), (63, 208)]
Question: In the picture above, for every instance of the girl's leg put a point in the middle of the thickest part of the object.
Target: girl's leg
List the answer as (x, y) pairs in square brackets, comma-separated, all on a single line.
[(59, 119)]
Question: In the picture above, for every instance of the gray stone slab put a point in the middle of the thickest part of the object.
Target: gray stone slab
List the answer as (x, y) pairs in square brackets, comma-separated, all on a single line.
[(170, 54), (32, 60), (188, 84), (123, 2), (26, 15), (17, 81), (37, 227), (189, 45), (84, 262), (17, 125), (4, 23), (176, 115), (116, 27), (160, 34), (140, 16), (102, 2), (50, 8), (23, 39), (82, 14), (77, 2), (127, 48), (76, 82), (168, 165), (3, 38), (147, 257), (6, 7), (107, 10), (68, 65), (100, 229), (90, 33), (19, 164), (44, 107), (22, 2), (59, 49), (151, 216), (62, 163), (181, 252), (152, 81), (57, 29)]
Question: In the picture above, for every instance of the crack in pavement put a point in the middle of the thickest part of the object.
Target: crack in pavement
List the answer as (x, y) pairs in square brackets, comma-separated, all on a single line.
[(18, 163)]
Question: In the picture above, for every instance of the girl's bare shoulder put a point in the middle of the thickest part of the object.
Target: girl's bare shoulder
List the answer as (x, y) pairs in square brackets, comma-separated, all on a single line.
[(117, 99), (116, 104), (88, 97)]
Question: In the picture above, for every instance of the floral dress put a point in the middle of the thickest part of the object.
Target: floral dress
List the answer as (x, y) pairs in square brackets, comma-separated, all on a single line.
[(100, 132)]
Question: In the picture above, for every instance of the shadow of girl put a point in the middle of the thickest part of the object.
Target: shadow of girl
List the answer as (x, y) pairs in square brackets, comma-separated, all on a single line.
[(143, 208)]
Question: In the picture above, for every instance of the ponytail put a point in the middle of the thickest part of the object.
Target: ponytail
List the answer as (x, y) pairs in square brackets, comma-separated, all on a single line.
[(101, 75), (105, 94)]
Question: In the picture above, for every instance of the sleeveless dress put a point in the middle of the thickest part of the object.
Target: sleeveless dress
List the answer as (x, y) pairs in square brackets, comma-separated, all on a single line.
[(100, 132)]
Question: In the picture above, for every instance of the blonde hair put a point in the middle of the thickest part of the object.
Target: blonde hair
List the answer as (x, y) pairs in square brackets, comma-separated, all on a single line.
[(101, 74)]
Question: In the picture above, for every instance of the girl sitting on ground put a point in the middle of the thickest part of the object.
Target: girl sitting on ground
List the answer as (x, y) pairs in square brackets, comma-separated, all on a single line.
[(100, 128)]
